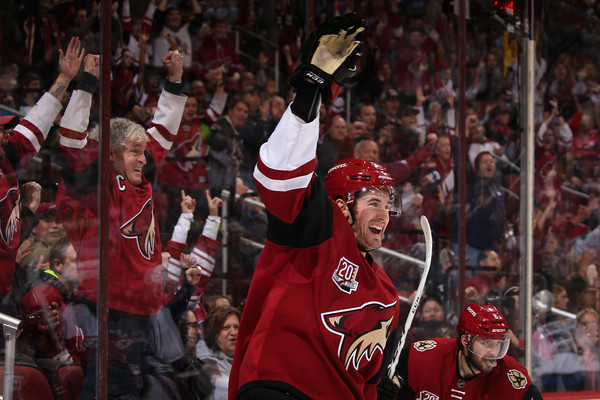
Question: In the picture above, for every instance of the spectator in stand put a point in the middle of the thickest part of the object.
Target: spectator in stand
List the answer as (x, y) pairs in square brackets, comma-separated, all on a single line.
[(41, 39), (484, 210), (50, 291), (589, 298), (586, 149), (366, 149), (127, 78), (135, 294), (487, 282), (366, 113), (399, 142), (570, 219), (254, 133), (47, 231), (586, 335), (31, 89), (185, 165), (487, 83), (330, 149), (82, 24), (225, 153), (390, 107), (437, 186), (560, 86), (479, 143), (551, 141), (216, 48), (431, 321), (173, 33), (133, 27), (499, 131), (414, 49), (220, 333), (16, 151)]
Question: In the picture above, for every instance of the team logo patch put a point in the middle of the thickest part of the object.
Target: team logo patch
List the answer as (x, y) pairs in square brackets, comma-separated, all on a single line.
[(363, 331), (424, 345), (141, 229), (10, 215), (517, 378), (425, 395), (344, 276)]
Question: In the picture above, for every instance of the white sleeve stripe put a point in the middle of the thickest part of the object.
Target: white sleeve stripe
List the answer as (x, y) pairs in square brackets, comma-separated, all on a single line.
[(160, 138), (199, 255), (73, 143), (299, 182), (30, 136), (206, 273)]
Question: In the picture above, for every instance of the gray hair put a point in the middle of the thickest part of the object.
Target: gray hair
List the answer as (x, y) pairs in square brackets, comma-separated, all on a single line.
[(122, 131)]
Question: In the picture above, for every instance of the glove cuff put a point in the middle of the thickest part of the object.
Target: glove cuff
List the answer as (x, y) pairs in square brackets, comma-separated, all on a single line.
[(306, 103)]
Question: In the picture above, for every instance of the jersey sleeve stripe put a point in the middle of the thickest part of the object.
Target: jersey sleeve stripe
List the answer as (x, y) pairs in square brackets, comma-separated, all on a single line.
[(72, 143), (41, 117), (283, 185), (200, 255), (157, 135), (31, 136)]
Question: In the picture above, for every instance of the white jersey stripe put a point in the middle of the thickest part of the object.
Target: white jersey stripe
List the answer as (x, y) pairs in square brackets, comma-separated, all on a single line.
[(299, 182)]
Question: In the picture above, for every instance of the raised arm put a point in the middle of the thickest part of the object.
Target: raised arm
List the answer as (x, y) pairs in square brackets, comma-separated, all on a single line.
[(68, 65), (287, 161)]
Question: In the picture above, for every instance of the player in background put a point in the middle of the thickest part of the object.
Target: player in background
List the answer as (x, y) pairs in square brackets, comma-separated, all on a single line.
[(472, 366)]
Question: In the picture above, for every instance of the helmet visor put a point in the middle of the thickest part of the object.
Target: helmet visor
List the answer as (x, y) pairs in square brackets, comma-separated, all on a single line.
[(391, 200), (492, 349)]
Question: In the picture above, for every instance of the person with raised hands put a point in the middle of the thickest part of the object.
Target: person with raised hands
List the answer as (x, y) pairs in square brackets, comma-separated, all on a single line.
[(320, 318), (135, 292), (16, 151)]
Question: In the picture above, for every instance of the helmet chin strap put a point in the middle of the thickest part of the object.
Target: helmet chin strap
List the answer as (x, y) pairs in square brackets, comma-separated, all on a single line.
[(352, 215), (469, 360)]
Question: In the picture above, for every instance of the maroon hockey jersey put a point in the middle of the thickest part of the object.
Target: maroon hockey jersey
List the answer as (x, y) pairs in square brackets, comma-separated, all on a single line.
[(319, 314), (23, 145), (430, 370), (135, 265)]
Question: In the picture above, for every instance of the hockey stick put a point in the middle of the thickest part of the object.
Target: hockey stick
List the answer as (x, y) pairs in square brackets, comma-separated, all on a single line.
[(415, 305)]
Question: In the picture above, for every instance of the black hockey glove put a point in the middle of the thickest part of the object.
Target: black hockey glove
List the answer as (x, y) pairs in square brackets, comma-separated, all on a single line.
[(388, 388), (329, 56)]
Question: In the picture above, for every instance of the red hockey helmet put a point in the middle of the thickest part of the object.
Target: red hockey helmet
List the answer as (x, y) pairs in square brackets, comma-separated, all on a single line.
[(487, 330), (351, 175), (483, 321)]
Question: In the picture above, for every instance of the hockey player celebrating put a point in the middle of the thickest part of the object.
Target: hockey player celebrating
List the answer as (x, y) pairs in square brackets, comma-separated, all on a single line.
[(472, 366), (320, 315)]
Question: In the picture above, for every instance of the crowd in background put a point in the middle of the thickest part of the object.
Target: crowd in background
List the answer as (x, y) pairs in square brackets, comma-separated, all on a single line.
[(401, 111)]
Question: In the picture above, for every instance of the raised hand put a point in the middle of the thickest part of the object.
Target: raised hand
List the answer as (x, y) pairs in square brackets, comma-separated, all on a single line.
[(173, 61), (213, 204), (91, 64), (69, 61), (188, 204)]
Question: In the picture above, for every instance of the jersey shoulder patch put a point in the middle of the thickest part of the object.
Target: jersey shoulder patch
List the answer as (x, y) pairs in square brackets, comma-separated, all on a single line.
[(517, 378), (425, 345)]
